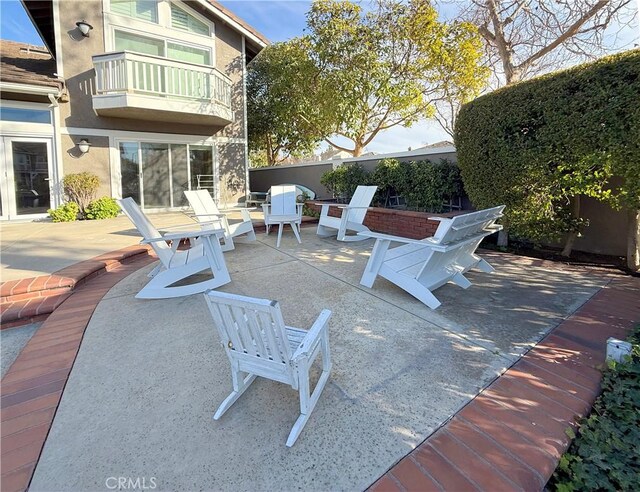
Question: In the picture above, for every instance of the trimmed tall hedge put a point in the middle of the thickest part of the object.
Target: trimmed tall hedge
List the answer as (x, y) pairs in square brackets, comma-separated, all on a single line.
[(538, 146)]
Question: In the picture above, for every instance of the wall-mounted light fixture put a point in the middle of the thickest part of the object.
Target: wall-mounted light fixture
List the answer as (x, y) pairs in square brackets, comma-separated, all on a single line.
[(84, 27), (84, 146)]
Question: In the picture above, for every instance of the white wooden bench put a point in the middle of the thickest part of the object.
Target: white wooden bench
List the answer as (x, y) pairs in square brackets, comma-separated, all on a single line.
[(421, 266)]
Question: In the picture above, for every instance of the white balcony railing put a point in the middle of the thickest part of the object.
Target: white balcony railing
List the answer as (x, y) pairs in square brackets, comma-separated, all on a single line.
[(124, 72)]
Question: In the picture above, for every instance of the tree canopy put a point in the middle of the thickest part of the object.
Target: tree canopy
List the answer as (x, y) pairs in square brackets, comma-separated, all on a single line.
[(357, 73)]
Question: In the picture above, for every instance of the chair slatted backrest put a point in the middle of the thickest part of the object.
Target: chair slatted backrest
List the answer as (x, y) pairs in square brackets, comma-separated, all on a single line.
[(202, 204), (361, 198), (466, 225), (146, 228), (283, 200), (252, 330)]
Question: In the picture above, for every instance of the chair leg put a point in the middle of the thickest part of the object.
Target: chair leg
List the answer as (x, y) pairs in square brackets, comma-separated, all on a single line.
[(307, 401), (239, 387), (294, 226), (279, 234)]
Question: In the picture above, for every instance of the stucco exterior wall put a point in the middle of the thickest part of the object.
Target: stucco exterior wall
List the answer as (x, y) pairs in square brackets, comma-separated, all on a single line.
[(95, 161), (79, 74)]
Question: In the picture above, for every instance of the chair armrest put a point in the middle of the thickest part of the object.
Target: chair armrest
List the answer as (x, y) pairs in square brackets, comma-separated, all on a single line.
[(183, 235), (246, 216), (439, 219), (207, 215), (313, 335), (377, 235)]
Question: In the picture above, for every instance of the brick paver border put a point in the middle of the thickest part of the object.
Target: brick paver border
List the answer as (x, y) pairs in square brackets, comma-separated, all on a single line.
[(33, 385), (512, 435)]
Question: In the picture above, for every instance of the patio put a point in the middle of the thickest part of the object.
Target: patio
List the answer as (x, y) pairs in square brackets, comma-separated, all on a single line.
[(149, 374)]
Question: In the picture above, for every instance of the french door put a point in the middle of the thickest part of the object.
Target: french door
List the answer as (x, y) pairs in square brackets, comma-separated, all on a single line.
[(25, 167)]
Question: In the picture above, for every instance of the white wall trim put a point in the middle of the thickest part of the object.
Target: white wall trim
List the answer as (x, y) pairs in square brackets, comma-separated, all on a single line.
[(57, 35), (244, 116), (149, 136)]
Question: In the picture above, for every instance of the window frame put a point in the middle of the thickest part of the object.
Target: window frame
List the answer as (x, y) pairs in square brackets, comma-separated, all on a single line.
[(140, 27)]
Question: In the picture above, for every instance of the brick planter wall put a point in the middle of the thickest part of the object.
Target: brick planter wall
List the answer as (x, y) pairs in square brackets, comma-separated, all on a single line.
[(414, 225)]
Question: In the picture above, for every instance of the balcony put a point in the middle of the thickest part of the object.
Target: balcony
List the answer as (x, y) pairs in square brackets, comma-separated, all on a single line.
[(145, 87)]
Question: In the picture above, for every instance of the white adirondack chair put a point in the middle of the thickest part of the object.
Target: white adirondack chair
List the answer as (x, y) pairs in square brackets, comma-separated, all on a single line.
[(175, 265), (421, 266), (206, 211), (283, 209), (258, 343), (352, 216)]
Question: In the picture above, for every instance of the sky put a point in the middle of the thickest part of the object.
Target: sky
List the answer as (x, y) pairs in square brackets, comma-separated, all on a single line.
[(280, 20)]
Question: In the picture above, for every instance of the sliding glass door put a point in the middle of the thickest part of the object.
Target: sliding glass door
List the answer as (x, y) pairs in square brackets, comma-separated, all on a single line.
[(155, 175)]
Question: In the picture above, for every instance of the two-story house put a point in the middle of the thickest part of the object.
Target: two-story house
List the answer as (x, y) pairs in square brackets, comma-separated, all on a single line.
[(147, 94)]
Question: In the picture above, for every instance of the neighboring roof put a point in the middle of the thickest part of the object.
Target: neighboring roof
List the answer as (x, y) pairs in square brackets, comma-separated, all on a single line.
[(437, 145), (22, 63), (261, 37)]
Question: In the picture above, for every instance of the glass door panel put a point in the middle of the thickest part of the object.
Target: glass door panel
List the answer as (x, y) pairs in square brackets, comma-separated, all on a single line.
[(31, 177), (156, 175), (201, 162), (130, 170), (179, 174)]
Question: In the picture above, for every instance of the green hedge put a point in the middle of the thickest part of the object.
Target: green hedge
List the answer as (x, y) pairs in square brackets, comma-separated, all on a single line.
[(537, 145), (424, 185)]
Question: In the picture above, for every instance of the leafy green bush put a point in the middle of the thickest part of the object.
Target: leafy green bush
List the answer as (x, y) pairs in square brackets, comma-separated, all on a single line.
[(423, 184), (81, 188), (604, 455), (67, 212), (538, 146), (344, 180), (102, 208)]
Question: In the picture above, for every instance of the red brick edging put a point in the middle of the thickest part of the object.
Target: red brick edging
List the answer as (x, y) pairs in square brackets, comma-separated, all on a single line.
[(33, 299), (33, 385), (511, 436)]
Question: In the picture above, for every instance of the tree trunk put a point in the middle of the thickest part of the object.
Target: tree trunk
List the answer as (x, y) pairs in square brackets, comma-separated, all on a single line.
[(573, 235), (633, 240), (357, 149)]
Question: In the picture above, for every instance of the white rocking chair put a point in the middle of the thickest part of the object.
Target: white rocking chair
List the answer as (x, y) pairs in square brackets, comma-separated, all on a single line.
[(352, 216), (258, 343), (175, 265), (283, 209), (206, 211), (421, 266)]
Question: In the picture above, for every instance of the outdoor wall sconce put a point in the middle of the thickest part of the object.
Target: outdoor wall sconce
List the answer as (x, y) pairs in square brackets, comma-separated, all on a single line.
[(84, 27), (84, 145)]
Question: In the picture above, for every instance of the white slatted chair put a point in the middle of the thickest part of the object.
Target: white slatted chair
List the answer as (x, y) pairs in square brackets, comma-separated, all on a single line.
[(176, 265), (352, 216), (206, 211), (258, 343), (421, 266), (283, 209)]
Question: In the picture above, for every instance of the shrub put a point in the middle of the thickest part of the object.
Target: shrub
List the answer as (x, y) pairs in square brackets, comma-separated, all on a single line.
[(423, 184), (102, 208), (604, 454), (343, 180), (67, 212), (538, 146), (81, 188)]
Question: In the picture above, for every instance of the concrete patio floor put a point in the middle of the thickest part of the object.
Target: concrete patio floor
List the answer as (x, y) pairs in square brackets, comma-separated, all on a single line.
[(29, 249), (149, 374)]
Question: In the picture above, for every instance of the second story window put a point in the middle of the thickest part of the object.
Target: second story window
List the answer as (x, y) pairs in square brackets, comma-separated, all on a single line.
[(138, 9), (186, 22)]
